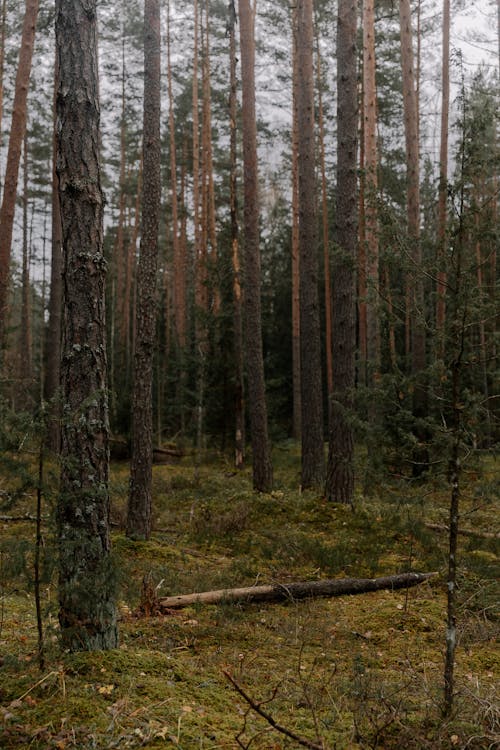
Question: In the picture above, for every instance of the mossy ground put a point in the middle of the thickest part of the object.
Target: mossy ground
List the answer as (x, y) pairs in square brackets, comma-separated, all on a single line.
[(356, 672)]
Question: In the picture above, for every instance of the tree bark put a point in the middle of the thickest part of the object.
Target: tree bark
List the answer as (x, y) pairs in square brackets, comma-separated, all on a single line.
[(340, 471), (25, 364), (17, 130), (179, 260), (313, 457), (297, 407), (414, 280), (292, 591), (53, 335), (326, 230), (3, 21), (239, 396), (86, 584), (139, 503), (262, 467), (443, 182), (371, 188)]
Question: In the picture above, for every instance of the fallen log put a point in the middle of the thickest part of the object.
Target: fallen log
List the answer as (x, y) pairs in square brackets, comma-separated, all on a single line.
[(292, 591), (464, 532)]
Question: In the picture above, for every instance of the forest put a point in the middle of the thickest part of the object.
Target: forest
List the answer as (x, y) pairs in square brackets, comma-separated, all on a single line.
[(249, 382)]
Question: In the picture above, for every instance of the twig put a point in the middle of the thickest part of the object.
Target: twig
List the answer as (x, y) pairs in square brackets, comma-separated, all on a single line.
[(270, 720)]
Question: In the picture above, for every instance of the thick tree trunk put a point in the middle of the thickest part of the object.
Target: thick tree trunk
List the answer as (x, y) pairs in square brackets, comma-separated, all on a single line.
[(292, 591), (86, 584), (262, 467), (17, 129), (340, 471), (139, 504), (313, 457)]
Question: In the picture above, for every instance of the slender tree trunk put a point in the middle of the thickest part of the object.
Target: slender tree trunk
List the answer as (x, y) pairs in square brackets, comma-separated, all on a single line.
[(297, 407), (179, 261), (139, 504), (390, 322), (326, 231), (53, 336), (443, 182), (196, 161), (3, 21), (86, 590), (25, 369), (17, 130), (361, 278), (129, 307), (340, 471), (457, 342), (119, 260), (215, 301), (313, 459), (415, 289), (239, 396), (200, 239), (371, 189), (262, 466)]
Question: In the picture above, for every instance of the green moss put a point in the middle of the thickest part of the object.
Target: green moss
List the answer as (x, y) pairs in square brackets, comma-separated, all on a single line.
[(366, 669)]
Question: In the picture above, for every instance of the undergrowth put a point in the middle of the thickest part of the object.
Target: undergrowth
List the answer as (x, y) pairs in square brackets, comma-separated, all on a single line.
[(354, 672)]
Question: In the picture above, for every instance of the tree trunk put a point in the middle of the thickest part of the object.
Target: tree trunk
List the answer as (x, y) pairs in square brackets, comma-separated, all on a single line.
[(53, 335), (239, 397), (297, 408), (179, 260), (371, 188), (340, 471), (443, 182), (326, 231), (3, 21), (292, 591), (313, 458), (25, 364), (262, 467), (361, 276), (119, 259), (139, 504), (86, 584), (17, 130), (414, 280)]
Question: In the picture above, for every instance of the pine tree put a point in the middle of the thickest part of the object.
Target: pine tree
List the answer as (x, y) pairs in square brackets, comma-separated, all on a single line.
[(139, 504), (313, 461), (17, 130), (262, 467), (86, 592), (340, 471)]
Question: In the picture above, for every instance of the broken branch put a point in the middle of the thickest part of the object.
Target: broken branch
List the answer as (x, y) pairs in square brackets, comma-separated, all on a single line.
[(270, 720)]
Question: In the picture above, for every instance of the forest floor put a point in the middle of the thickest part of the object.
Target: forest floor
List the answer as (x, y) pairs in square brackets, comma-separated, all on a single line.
[(360, 671)]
